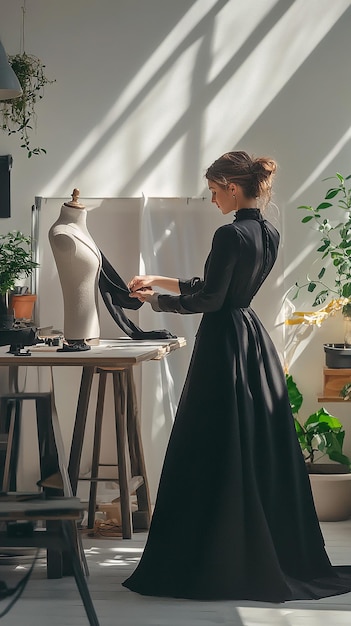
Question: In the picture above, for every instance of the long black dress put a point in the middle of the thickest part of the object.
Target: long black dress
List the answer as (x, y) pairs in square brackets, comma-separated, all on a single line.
[(234, 516)]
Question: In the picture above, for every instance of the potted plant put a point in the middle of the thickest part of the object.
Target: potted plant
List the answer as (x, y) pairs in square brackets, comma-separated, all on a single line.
[(332, 278), (334, 246), (15, 263), (322, 435), (19, 114)]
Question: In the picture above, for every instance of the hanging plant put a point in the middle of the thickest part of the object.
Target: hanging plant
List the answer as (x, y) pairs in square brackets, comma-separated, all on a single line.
[(18, 114)]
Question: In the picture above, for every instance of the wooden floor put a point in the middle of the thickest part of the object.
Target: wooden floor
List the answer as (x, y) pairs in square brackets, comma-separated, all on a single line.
[(57, 602)]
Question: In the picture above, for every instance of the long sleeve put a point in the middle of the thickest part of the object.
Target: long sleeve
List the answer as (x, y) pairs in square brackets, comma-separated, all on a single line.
[(190, 286), (218, 274)]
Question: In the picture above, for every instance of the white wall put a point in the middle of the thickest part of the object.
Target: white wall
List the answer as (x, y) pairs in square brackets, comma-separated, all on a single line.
[(149, 92)]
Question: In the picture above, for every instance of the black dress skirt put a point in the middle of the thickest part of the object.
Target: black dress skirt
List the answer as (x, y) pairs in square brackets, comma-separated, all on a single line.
[(234, 516)]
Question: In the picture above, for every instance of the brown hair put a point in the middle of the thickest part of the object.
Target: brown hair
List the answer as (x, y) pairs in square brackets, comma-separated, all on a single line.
[(253, 175)]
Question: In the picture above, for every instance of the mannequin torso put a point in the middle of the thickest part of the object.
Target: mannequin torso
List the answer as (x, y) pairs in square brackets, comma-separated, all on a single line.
[(78, 262)]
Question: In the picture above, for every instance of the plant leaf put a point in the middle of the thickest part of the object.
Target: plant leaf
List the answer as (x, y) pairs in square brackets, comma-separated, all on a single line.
[(295, 396), (346, 290), (323, 205), (324, 247), (321, 297), (332, 193)]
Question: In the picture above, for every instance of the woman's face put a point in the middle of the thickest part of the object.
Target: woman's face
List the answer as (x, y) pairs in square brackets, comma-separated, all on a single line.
[(222, 197)]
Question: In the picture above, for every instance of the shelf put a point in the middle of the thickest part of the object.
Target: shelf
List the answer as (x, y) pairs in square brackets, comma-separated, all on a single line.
[(331, 399)]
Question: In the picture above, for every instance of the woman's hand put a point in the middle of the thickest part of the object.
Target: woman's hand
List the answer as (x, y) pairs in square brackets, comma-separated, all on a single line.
[(140, 282), (144, 295)]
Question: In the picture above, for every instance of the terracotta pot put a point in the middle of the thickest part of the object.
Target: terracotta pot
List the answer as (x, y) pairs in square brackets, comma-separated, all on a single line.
[(23, 305), (332, 496)]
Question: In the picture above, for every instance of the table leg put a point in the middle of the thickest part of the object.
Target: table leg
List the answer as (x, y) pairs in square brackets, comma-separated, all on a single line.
[(120, 398), (79, 426), (96, 448), (136, 454)]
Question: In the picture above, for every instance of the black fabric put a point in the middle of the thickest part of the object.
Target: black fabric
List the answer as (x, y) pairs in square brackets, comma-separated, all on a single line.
[(115, 295), (234, 516), (75, 346)]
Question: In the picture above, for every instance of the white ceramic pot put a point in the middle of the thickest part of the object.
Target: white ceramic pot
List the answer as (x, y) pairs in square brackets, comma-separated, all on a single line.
[(332, 496)]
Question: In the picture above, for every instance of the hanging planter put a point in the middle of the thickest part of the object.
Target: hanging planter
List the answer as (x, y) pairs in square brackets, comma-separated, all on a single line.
[(19, 115)]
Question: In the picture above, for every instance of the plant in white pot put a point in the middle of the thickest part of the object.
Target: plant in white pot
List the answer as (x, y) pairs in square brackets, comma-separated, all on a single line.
[(322, 435)]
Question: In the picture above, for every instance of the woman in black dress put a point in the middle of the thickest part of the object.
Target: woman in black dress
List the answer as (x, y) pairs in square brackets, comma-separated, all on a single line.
[(234, 516)]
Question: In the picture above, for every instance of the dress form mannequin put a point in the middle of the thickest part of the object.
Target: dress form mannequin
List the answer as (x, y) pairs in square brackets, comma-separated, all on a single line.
[(78, 262)]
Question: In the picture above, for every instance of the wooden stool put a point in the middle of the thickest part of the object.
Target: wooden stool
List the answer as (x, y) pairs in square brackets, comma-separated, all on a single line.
[(9, 437), (61, 516), (51, 458), (130, 458), (51, 451)]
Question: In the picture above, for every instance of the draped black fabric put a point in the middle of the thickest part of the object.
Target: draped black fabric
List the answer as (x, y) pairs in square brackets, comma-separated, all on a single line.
[(115, 295), (234, 516)]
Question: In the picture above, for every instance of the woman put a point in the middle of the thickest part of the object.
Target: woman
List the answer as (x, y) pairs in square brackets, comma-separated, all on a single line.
[(234, 516)]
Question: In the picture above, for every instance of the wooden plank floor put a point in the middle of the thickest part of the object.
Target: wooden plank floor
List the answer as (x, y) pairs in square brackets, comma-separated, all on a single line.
[(57, 602)]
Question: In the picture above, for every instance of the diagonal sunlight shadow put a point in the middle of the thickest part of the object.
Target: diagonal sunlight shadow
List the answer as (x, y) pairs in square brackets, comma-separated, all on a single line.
[(203, 92), (318, 171), (230, 85), (150, 75), (141, 84), (255, 72), (199, 100)]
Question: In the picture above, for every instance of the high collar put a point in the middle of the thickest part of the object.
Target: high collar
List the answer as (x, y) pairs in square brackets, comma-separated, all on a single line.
[(248, 214)]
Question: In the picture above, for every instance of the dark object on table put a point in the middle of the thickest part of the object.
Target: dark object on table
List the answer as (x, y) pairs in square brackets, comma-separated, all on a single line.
[(18, 338)]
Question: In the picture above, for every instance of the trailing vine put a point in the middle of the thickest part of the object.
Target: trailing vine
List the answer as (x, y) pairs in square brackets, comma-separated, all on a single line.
[(18, 114)]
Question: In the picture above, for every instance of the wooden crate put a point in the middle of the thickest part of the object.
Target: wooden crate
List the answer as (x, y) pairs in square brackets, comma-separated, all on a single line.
[(333, 381)]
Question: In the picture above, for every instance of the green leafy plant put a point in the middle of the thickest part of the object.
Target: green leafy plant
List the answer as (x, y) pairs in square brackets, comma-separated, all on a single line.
[(334, 248), (345, 392), (18, 114), (15, 259), (321, 434)]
